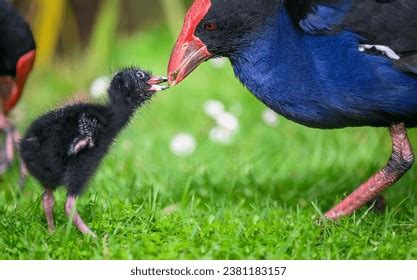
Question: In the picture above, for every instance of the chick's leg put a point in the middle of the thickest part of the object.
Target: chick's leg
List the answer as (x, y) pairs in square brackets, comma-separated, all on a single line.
[(70, 210), (402, 159), (48, 203)]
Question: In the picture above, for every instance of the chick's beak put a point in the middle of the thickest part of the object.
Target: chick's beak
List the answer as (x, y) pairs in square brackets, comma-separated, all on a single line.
[(155, 82)]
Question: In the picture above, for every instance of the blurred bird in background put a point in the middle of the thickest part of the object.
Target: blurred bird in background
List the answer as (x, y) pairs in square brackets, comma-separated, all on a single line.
[(62, 26), (17, 56)]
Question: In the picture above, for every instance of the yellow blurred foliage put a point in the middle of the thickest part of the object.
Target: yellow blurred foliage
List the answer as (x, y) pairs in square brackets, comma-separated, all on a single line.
[(47, 27), (55, 20)]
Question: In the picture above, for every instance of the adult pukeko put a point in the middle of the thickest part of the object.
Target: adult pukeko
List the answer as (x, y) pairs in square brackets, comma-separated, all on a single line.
[(65, 146), (321, 63), (17, 55)]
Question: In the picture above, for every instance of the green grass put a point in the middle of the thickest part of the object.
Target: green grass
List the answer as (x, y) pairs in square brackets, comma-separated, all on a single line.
[(253, 199)]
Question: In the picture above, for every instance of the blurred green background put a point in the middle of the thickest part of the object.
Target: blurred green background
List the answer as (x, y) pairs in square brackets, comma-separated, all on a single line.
[(256, 198), (63, 27)]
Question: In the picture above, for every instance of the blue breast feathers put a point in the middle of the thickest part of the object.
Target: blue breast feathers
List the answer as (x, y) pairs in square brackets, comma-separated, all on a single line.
[(325, 81)]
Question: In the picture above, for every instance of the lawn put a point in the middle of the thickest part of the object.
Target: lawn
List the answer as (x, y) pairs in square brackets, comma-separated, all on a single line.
[(256, 198)]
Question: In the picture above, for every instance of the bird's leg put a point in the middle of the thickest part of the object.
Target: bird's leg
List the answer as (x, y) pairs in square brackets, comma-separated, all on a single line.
[(48, 203), (402, 159), (9, 142), (23, 170), (70, 210), (23, 175)]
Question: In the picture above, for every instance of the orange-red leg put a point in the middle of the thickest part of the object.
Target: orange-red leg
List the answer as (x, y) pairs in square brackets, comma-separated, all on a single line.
[(402, 159)]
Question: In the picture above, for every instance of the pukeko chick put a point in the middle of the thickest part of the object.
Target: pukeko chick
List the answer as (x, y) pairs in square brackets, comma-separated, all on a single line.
[(322, 63), (17, 55), (64, 147)]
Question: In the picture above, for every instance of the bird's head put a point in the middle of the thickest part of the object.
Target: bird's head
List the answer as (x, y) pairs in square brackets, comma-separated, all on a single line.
[(217, 28), (14, 80), (134, 86), (18, 52)]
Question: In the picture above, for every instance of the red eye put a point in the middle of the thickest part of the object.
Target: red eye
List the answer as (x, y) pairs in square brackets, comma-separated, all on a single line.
[(210, 26)]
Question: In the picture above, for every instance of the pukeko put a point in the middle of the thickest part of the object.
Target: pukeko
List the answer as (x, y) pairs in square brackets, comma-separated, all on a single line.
[(17, 55), (321, 63), (64, 147)]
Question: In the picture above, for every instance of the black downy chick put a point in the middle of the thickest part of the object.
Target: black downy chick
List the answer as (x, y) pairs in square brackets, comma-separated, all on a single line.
[(65, 147)]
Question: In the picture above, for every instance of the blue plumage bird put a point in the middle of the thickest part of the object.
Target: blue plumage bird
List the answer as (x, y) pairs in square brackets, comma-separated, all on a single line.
[(321, 63)]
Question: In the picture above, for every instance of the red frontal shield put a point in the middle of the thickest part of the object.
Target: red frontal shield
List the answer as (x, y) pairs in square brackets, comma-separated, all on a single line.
[(189, 51)]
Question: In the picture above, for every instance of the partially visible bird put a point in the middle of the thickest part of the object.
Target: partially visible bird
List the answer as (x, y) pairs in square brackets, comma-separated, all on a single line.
[(321, 63), (17, 55), (65, 147)]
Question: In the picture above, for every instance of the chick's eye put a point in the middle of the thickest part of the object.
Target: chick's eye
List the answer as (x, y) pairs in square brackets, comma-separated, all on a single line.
[(140, 75), (211, 26)]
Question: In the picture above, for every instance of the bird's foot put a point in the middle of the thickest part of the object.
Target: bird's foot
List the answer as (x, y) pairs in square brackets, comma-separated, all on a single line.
[(70, 210)]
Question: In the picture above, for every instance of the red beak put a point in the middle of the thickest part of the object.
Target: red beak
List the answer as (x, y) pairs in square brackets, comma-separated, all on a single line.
[(187, 56), (23, 67), (189, 51)]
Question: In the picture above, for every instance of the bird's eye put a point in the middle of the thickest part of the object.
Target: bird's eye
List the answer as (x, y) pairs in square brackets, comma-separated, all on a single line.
[(140, 75), (211, 26)]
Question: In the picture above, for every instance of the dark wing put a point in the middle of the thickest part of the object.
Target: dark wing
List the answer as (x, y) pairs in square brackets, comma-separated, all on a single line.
[(87, 130), (319, 17), (391, 23)]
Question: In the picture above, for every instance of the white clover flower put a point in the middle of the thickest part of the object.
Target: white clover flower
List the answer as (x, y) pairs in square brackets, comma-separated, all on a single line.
[(213, 108), (183, 144), (221, 135), (228, 121), (270, 117), (99, 87)]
